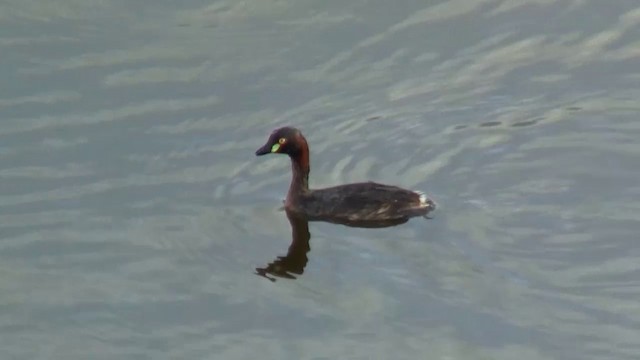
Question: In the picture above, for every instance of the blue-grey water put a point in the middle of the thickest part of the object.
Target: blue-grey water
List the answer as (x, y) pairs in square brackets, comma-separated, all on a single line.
[(133, 212)]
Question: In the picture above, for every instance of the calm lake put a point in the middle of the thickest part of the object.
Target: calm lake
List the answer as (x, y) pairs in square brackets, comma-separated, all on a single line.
[(136, 221)]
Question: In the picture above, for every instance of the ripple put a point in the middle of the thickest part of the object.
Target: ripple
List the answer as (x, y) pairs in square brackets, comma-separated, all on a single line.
[(13, 126)]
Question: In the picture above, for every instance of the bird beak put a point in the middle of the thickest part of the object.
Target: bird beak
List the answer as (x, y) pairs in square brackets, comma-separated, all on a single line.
[(266, 149)]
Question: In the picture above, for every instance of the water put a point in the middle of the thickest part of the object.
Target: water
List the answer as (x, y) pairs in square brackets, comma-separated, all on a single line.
[(133, 212)]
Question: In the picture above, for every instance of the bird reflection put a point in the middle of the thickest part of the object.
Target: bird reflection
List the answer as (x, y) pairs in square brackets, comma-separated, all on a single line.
[(294, 262)]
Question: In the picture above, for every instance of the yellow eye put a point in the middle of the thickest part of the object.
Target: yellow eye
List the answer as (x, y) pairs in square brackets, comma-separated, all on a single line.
[(281, 141)]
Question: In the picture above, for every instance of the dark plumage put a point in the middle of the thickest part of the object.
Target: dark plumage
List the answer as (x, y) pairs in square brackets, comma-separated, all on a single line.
[(351, 204)]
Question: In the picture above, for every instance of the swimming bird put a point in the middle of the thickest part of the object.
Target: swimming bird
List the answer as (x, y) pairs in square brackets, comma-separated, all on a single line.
[(350, 204)]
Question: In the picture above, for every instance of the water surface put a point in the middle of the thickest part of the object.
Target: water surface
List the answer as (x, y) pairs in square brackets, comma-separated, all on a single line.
[(133, 212)]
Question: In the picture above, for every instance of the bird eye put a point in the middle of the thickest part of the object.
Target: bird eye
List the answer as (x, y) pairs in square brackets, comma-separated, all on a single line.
[(281, 141)]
